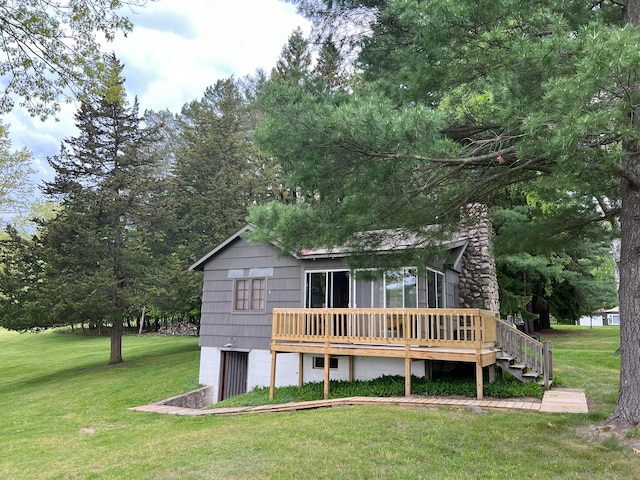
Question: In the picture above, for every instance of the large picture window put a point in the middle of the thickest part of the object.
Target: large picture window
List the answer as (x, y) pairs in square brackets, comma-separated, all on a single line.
[(400, 288), (250, 294)]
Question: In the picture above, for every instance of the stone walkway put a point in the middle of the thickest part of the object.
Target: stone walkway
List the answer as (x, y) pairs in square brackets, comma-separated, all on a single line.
[(561, 400)]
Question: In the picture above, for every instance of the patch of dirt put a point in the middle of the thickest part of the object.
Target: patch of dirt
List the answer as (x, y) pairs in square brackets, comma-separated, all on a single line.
[(612, 437)]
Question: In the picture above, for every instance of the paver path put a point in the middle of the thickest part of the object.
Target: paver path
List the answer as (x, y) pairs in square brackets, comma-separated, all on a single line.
[(556, 400)]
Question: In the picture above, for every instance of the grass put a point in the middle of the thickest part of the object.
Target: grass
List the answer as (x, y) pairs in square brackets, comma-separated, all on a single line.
[(63, 415), (587, 358)]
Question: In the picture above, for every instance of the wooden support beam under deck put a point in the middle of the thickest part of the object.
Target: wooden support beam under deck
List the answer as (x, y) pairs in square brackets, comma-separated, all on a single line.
[(351, 374), (327, 358), (492, 373), (407, 377), (479, 390), (300, 370), (272, 383)]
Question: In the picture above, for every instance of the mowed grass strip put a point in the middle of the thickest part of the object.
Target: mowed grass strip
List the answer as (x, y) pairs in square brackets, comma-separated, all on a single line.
[(588, 358), (63, 415)]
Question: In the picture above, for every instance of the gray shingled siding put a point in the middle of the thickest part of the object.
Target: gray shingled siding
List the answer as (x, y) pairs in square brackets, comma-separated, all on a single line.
[(220, 325), (451, 289), (325, 264), (422, 291)]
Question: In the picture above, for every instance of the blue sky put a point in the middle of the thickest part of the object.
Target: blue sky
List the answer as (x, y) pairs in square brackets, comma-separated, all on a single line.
[(176, 50)]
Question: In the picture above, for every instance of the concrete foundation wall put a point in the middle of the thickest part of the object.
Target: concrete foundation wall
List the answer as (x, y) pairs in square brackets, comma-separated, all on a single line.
[(210, 359), (259, 374), (287, 369)]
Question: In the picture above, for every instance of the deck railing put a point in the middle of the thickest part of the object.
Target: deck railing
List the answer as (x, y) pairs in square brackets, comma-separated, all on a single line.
[(462, 328), (535, 355)]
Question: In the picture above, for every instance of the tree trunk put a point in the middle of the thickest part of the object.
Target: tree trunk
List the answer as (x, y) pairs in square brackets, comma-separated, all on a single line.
[(141, 321), (116, 342), (627, 412)]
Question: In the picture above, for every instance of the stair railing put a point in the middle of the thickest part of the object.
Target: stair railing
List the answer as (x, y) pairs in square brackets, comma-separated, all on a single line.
[(534, 355)]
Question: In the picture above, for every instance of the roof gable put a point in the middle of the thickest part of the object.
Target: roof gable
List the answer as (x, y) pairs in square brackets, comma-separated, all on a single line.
[(198, 265)]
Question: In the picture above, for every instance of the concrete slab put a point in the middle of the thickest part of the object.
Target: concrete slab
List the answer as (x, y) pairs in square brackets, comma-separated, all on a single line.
[(564, 400)]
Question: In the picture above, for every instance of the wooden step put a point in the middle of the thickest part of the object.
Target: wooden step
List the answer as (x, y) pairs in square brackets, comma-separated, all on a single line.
[(518, 366), (506, 358), (531, 374)]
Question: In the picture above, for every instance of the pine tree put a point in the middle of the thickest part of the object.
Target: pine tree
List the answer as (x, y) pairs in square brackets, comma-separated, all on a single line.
[(295, 59), (104, 180), (459, 101), (218, 171), (329, 65)]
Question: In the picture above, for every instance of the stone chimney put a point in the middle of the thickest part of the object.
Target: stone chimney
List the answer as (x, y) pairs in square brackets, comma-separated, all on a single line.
[(478, 282)]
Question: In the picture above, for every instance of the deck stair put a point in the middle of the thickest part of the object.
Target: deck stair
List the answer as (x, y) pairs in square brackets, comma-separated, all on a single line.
[(523, 357)]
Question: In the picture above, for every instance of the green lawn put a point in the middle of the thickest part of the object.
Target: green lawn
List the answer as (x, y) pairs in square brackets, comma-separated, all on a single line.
[(63, 414)]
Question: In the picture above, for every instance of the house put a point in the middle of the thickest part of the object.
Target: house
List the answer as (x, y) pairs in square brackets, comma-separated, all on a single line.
[(601, 318), (278, 318)]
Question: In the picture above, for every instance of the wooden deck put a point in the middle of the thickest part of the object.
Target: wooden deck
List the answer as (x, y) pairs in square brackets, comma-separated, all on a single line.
[(459, 335)]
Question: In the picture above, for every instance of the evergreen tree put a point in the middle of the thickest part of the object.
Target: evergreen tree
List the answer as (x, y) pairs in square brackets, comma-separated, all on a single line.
[(329, 65), (295, 59), (539, 278), (104, 180), (218, 171), (458, 102), (24, 300)]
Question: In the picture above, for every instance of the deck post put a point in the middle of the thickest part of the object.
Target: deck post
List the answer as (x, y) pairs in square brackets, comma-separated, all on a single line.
[(300, 370), (351, 374), (272, 382), (327, 357), (407, 376), (492, 373), (479, 392), (547, 364)]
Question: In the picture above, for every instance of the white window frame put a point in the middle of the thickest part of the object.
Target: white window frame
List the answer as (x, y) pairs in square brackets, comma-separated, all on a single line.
[(404, 276)]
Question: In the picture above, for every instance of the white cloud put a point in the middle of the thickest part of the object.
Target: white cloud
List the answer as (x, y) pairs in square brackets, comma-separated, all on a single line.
[(168, 63), (176, 50)]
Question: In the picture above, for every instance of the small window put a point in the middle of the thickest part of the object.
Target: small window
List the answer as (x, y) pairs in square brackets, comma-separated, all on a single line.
[(318, 362), (250, 294), (257, 293)]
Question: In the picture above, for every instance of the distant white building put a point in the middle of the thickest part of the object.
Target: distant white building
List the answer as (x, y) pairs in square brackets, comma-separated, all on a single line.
[(601, 318)]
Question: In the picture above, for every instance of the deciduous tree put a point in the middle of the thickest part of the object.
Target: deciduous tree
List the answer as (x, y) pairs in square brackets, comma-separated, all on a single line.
[(15, 171), (50, 50)]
